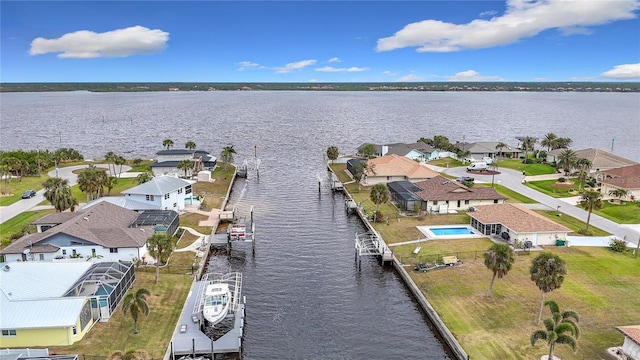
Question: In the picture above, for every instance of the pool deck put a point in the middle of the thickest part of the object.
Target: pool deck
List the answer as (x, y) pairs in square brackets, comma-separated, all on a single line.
[(426, 230)]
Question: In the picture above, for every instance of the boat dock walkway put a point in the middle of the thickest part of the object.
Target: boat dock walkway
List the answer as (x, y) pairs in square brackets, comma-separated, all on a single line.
[(188, 339)]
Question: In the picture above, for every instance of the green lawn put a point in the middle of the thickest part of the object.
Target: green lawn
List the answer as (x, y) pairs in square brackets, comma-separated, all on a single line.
[(512, 196), (552, 188), (529, 169), (446, 162), (628, 213), (571, 222), (17, 187), (500, 327)]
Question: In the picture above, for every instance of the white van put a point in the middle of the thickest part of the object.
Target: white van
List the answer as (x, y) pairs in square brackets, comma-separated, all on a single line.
[(477, 166)]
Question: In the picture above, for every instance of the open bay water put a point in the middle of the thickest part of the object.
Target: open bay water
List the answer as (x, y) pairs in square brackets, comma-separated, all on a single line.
[(305, 297)]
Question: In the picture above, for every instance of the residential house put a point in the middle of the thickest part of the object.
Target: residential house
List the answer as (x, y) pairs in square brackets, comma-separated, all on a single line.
[(167, 162), (418, 151), (103, 231), (603, 160), (47, 303), (518, 223), (625, 178), (631, 345), (162, 192), (392, 167), (481, 149), (403, 195), (440, 194)]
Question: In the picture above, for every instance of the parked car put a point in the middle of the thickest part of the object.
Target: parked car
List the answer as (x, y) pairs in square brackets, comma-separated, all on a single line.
[(487, 160), (465, 178), (29, 194)]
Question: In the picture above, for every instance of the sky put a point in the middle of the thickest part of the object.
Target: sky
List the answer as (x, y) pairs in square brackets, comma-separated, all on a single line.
[(320, 41)]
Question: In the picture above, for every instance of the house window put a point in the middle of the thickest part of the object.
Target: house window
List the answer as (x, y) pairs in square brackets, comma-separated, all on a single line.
[(74, 330), (64, 252), (113, 250), (435, 202), (495, 201), (41, 257), (93, 252), (166, 196), (149, 197), (187, 189), (73, 252), (180, 191), (175, 204), (8, 333), (466, 202)]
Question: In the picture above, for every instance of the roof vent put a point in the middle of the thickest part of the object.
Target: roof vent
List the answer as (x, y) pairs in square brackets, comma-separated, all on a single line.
[(86, 218), (445, 182), (6, 268), (141, 229)]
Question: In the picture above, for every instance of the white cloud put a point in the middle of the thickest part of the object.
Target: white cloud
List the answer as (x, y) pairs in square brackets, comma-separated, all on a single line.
[(334, 59), (333, 69), (294, 66), (410, 78), (522, 19), (246, 65), (488, 13), (472, 75), (625, 71), (116, 43), (390, 73)]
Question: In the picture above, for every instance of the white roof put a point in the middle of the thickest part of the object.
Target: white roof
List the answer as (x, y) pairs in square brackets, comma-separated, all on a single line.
[(124, 202), (32, 291), (158, 186)]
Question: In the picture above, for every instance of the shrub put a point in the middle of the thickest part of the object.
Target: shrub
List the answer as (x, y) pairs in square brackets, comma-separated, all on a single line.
[(618, 245), (562, 179)]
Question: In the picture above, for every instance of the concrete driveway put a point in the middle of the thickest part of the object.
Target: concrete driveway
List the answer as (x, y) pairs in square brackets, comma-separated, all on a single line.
[(8, 212), (513, 180)]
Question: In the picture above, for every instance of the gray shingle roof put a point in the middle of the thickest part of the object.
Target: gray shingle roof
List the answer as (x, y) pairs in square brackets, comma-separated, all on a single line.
[(440, 188)]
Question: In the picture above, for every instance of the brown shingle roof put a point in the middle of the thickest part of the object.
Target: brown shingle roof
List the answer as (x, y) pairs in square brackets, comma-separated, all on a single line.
[(439, 188), (626, 177), (631, 331), (631, 170), (103, 224), (516, 218), (601, 159), (394, 165)]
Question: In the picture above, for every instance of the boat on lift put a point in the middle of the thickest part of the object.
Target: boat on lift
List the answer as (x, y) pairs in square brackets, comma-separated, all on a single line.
[(237, 232), (217, 298)]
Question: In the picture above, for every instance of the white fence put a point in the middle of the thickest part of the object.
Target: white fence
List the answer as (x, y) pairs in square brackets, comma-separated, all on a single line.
[(601, 241)]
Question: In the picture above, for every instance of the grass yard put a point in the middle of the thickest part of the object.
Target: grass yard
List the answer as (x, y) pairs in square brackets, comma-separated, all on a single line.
[(404, 228), (500, 327), (512, 196), (627, 213), (17, 187), (215, 192), (529, 169), (572, 223), (446, 162), (16, 224), (552, 188)]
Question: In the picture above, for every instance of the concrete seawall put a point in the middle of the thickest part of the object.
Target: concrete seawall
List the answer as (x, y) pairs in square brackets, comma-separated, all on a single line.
[(443, 331)]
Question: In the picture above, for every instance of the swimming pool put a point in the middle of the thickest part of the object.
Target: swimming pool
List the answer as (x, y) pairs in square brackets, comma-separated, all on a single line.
[(449, 231)]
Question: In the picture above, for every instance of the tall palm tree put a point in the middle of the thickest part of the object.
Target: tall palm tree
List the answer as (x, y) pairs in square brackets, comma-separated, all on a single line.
[(168, 143), (119, 160), (590, 200), (227, 155), (58, 193), (110, 183), (5, 175), (160, 246), (143, 177), (332, 153), (110, 159), (379, 195), (190, 145), (566, 161), (500, 146), (185, 165), (136, 305), (549, 140), (528, 143), (547, 271), (499, 259), (583, 165), (560, 328)]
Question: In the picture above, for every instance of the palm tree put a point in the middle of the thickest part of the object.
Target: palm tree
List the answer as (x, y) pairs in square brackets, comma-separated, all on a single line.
[(547, 271), (143, 177), (168, 143), (500, 146), (110, 158), (136, 304), (379, 195), (110, 183), (560, 328), (58, 193), (91, 182), (549, 140), (5, 175), (590, 200), (332, 153), (583, 165), (566, 161), (190, 145), (618, 193), (160, 246), (119, 160), (185, 165), (527, 144), (227, 155), (499, 259)]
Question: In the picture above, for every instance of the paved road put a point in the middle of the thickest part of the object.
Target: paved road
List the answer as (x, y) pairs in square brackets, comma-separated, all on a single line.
[(512, 179), (8, 212)]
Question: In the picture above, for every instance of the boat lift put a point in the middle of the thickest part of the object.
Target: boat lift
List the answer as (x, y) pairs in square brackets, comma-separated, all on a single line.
[(371, 244), (238, 230), (234, 280)]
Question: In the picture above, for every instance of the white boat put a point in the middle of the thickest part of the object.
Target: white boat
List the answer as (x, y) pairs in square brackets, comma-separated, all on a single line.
[(217, 298), (237, 232)]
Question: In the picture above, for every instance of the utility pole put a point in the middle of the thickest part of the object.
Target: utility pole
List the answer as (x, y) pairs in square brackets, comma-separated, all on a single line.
[(635, 256)]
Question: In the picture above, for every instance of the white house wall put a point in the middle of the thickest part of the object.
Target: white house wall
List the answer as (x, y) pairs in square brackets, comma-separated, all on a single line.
[(631, 348), (161, 170), (175, 157)]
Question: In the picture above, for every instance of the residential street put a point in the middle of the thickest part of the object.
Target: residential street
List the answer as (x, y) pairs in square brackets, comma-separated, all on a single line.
[(8, 212), (513, 180)]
